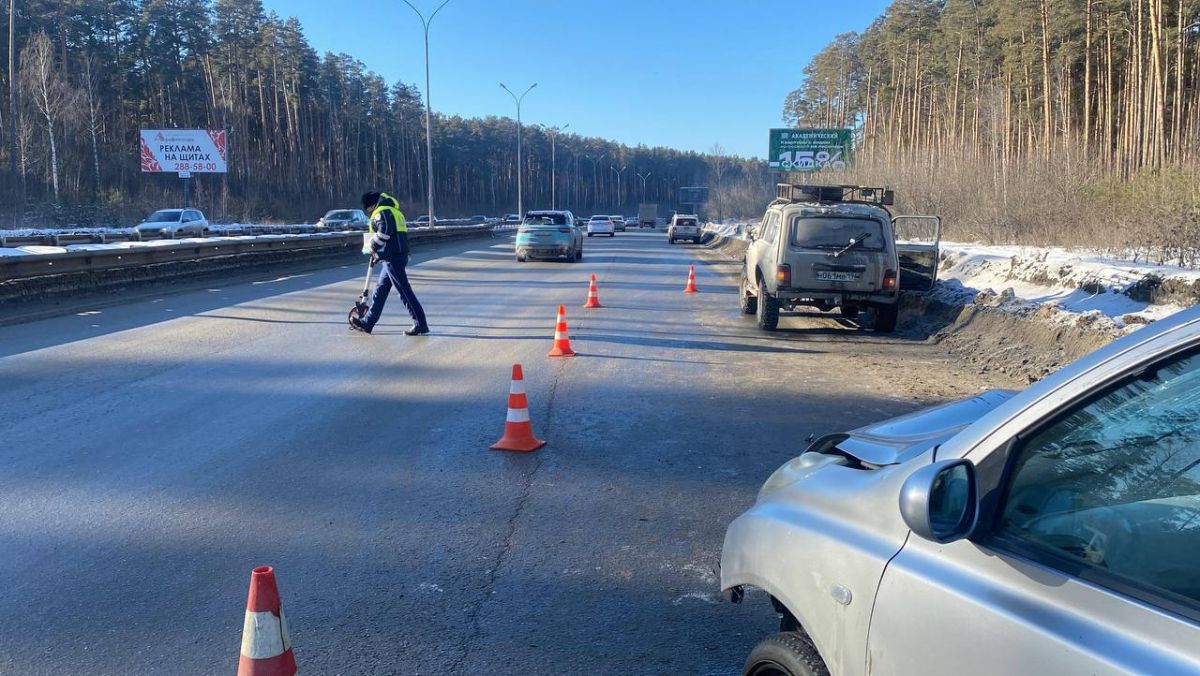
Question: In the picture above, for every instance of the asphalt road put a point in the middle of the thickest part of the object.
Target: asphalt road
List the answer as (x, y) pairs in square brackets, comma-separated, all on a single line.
[(152, 453)]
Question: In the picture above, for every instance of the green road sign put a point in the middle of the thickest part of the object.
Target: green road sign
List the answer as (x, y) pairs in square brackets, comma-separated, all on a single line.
[(693, 195), (809, 149)]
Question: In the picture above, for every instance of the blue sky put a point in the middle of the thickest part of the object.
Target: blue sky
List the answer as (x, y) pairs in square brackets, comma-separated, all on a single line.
[(679, 73)]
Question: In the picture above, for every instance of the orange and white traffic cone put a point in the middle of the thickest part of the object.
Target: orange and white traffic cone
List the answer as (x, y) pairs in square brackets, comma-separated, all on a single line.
[(562, 342), (518, 433), (691, 285), (593, 295), (266, 647)]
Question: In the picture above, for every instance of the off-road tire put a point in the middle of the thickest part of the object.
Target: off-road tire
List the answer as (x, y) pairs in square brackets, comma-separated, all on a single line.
[(574, 257), (767, 312), (885, 318), (579, 255), (521, 259), (785, 654), (749, 303), (589, 234), (670, 240)]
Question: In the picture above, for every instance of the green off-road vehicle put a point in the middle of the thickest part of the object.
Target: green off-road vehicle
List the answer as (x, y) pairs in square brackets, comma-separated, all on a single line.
[(836, 246)]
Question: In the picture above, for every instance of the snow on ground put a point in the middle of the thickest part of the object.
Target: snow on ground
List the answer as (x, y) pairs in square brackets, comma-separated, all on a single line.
[(1068, 286)]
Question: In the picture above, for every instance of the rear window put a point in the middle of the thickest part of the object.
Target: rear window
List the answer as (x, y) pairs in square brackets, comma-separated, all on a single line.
[(836, 233), (546, 219), (687, 222)]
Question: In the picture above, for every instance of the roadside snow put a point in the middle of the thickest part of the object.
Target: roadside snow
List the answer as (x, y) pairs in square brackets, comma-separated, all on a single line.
[(1068, 286)]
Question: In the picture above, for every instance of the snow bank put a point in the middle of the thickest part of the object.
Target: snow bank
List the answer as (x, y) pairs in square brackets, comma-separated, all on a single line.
[(1067, 286)]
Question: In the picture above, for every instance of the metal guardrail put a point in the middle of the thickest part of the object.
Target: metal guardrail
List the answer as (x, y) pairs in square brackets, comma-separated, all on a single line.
[(38, 265)]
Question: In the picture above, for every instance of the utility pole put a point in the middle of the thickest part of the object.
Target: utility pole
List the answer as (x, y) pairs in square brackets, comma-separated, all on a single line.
[(18, 198), (428, 110), (553, 132), (518, 99)]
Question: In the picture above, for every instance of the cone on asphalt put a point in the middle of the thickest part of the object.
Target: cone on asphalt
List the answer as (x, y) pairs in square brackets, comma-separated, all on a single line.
[(518, 432), (562, 342), (593, 295), (266, 647), (691, 285)]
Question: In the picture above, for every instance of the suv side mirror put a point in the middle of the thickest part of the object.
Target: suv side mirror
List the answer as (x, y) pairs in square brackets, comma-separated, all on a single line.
[(939, 502)]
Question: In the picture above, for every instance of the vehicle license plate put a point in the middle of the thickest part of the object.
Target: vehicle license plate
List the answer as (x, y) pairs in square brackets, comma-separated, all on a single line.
[(835, 276)]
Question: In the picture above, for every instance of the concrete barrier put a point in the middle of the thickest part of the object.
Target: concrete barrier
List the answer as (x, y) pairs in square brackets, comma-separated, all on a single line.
[(25, 279)]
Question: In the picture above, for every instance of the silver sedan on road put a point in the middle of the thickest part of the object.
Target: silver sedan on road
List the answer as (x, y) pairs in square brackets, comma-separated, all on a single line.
[(1055, 531)]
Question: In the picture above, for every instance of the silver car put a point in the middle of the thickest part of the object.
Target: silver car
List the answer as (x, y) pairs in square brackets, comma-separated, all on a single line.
[(171, 223), (1055, 531)]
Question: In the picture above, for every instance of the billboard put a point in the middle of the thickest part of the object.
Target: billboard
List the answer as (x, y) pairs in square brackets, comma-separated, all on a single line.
[(184, 150), (692, 195), (809, 149)]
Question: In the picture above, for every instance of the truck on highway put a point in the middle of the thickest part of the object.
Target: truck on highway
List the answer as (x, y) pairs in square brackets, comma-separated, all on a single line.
[(647, 215), (836, 246)]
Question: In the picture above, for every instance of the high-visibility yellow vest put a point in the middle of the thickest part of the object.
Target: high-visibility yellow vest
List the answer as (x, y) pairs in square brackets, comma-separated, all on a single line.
[(388, 202)]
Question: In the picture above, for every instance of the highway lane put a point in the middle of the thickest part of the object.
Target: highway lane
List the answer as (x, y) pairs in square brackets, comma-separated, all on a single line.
[(153, 453)]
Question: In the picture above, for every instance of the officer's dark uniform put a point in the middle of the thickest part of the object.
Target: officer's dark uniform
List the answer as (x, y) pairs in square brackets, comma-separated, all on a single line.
[(389, 243)]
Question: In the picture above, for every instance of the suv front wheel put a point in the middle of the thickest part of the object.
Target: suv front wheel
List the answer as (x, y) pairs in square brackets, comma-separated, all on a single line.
[(885, 317), (785, 654), (767, 315)]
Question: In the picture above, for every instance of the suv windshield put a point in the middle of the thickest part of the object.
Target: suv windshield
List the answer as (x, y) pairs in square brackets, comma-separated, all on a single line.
[(836, 233), (164, 216), (339, 216)]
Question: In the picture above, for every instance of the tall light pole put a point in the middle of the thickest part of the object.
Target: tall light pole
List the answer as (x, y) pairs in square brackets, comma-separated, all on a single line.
[(618, 173), (428, 109), (644, 177), (553, 132), (12, 111), (519, 99), (596, 159)]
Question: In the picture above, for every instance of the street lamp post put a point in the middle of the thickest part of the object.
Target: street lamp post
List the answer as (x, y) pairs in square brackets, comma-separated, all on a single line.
[(553, 132), (644, 177), (618, 173), (428, 109), (519, 99)]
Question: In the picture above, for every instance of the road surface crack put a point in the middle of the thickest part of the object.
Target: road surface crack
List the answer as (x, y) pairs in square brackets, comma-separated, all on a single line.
[(502, 557)]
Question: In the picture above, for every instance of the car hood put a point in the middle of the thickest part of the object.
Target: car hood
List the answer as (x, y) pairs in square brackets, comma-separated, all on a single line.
[(899, 439)]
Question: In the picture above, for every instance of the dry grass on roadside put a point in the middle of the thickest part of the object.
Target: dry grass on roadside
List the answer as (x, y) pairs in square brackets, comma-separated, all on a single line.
[(1069, 201)]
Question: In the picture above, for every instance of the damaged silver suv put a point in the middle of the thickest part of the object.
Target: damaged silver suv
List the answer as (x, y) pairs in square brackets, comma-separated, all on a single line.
[(1054, 531), (837, 247)]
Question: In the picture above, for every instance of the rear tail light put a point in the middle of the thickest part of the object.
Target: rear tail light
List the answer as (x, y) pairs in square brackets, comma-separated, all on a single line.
[(889, 280), (521, 231), (783, 275)]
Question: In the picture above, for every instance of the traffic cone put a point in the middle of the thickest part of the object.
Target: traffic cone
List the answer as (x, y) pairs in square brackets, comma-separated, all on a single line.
[(518, 433), (266, 648), (593, 295), (562, 342), (691, 285)]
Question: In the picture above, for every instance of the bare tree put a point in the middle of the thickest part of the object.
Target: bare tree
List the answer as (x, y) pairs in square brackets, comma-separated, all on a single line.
[(50, 95), (718, 161), (89, 83)]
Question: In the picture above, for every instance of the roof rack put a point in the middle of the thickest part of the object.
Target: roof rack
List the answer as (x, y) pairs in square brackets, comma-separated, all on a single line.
[(851, 194)]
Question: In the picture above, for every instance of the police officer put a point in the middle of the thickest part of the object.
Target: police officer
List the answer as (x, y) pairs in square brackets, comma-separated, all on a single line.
[(389, 247)]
